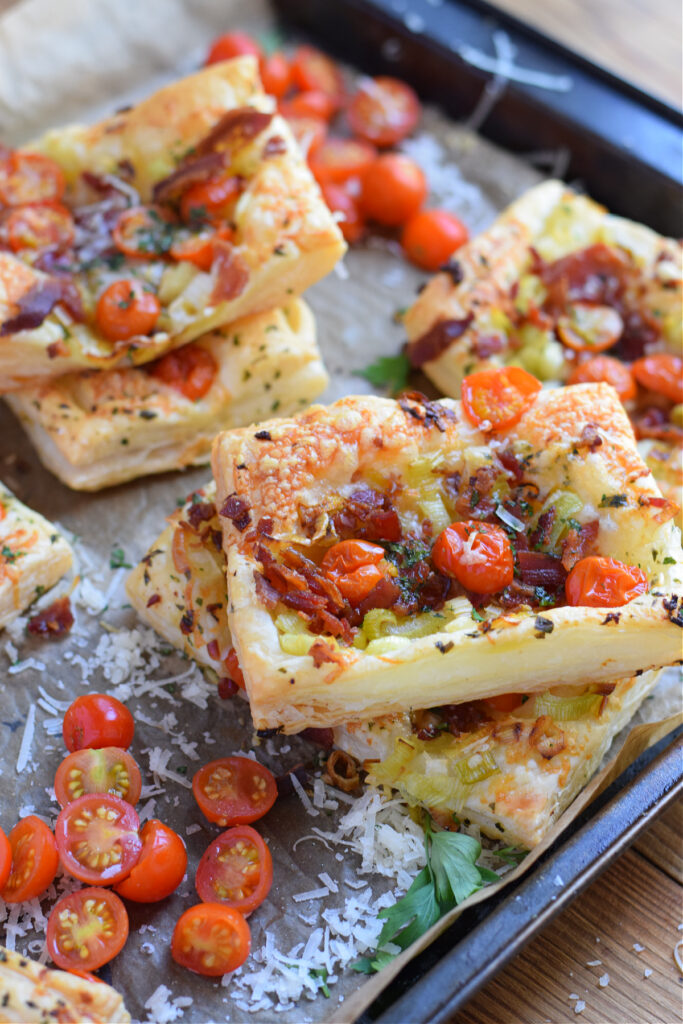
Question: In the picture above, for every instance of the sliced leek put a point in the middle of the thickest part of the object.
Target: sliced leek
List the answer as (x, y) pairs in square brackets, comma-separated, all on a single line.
[(568, 709), (477, 767), (567, 505)]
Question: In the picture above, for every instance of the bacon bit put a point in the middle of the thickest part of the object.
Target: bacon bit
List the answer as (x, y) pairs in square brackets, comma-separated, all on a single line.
[(263, 435), (425, 411), (265, 526), (538, 569), (655, 423), (231, 274), (590, 438), (187, 622), (57, 348), (462, 718), (190, 172), (39, 301), (154, 599), (200, 512), (227, 688), (267, 594), (426, 724), (385, 594), (436, 340), (237, 510), (667, 509), (474, 502), (546, 737), (321, 737), (639, 335), (233, 130), (367, 515), (512, 465), (486, 345), (541, 534), (213, 609), (595, 274), (54, 621), (577, 543), (275, 146), (342, 771), (323, 653), (454, 271)]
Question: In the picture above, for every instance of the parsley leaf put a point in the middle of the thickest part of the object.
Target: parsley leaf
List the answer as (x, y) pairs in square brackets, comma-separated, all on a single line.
[(511, 855), (413, 914), (453, 858), (387, 372), (117, 559), (613, 501)]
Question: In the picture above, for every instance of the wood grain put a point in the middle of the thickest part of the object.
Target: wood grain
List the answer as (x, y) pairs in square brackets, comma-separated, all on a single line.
[(663, 842), (633, 902)]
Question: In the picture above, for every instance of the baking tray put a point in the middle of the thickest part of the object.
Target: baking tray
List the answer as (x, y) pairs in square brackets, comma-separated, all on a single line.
[(621, 144)]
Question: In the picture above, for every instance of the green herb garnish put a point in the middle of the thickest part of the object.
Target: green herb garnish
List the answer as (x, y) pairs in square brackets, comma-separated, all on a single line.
[(389, 372), (117, 559)]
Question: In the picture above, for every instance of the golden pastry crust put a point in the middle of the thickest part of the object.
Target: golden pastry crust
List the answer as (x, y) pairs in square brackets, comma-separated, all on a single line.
[(285, 238), (315, 461), (34, 994), (99, 428), (33, 556)]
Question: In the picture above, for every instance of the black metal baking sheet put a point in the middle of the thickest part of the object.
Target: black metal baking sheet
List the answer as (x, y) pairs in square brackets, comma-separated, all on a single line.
[(624, 146)]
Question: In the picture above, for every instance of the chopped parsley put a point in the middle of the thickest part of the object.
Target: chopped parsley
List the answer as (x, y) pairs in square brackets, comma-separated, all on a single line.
[(613, 500), (389, 372), (117, 559)]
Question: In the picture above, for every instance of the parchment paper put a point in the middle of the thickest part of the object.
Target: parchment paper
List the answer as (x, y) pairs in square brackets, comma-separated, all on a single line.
[(80, 59)]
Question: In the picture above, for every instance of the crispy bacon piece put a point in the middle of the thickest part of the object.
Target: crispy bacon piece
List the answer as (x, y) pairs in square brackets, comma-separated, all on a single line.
[(323, 653), (541, 535), (474, 501), (367, 515), (596, 274), (417, 405), (231, 274), (486, 345), (465, 717), (577, 543), (342, 771), (590, 438), (39, 301), (321, 737), (200, 512), (54, 621), (639, 335), (547, 738), (538, 569), (236, 509), (233, 130), (437, 339), (190, 172), (275, 146), (427, 724)]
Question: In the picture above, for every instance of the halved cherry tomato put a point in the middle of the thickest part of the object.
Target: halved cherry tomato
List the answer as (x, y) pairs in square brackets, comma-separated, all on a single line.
[(190, 370), (662, 373), (393, 188), (232, 44), (86, 929), (276, 74), (161, 867), (236, 870), (143, 232), (587, 327), (232, 667), (86, 975), (125, 310), (210, 202), (505, 701), (340, 201), (431, 237), (30, 178), (477, 555), (336, 160), (234, 790), (309, 104), (496, 399), (34, 860), (211, 939), (97, 720), (383, 111), (309, 132), (200, 249), (40, 226), (101, 770), (608, 370), (5, 859), (313, 71), (97, 838), (597, 582)]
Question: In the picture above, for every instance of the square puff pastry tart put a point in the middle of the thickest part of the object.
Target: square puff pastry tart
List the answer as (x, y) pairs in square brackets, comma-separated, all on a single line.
[(97, 428), (277, 238), (399, 472), (33, 556), (33, 994)]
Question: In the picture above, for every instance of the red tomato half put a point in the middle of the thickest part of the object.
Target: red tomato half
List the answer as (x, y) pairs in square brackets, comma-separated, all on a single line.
[(505, 702), (393, 188), (142, 232), (431, 237), (211, 939), (478, 555), (34, 860), (336, 160), (340, 200), (309, 132), (190, 370), (161, 867), (30, 178), (608, 370), (86, 930), (275, 74), (597, 582), (309, 104), (96, 720), (210, 201), (97, 838), (234, 790), (5, 859), (232, 667), (588, 327), (236, 870), (102, 770), (496, 399), (313, 71), (383, 111), (233, 44), (662, 373), (40, 226), (126, 310)]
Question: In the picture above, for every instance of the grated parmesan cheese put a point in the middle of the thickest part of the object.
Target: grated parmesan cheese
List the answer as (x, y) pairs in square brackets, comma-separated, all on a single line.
[(27, 739)]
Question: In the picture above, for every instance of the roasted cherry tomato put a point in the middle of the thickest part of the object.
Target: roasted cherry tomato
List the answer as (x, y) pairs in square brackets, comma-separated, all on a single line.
[(97, 838), (431, 237), (340, 201), (496, 399), (393, 188), (309, 132), (236, 870), (383, 111), (5, 859), (40, 226), (86, 975), (234, 790), (232, 667), (662, 373), (276, 74), (143, 232), (211, 939), (477, 555), (34, 860), (233, 44), (161, 867), (336, 160), (505, 701), (607, 370), (195, 249), (210, 202), (597, 582), (353, 567), (587, 327), (30, 178), (125, 310), (97, 720), (309, 104), (190, 370), (86, 929), (101, 770), (313, 71)]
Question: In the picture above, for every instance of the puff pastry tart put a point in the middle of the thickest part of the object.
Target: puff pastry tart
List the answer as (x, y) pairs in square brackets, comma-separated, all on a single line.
[(97, 428), (351, 530), (31, 993), (33, 556), (131, 237)]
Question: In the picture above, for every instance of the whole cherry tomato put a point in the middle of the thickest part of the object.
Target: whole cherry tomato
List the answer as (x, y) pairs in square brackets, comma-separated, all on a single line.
[(40, 226), (431, 237), (97, 838), (393, 188), (211, 939), (383, 111), (597, 582), (97, 720), (309, 132), (477, 555), (234, 790), (126, 310), (190, 370), (233, 44), (236, 870), (161, 867), (336, 160), (86, 929), (101, 770), (5, 859), (608, 370), (353, 566), (496, 399), (276, 74), (314, 71), (662, 373), (340, 201), (34, 860), (505, 702), (309, 104)]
